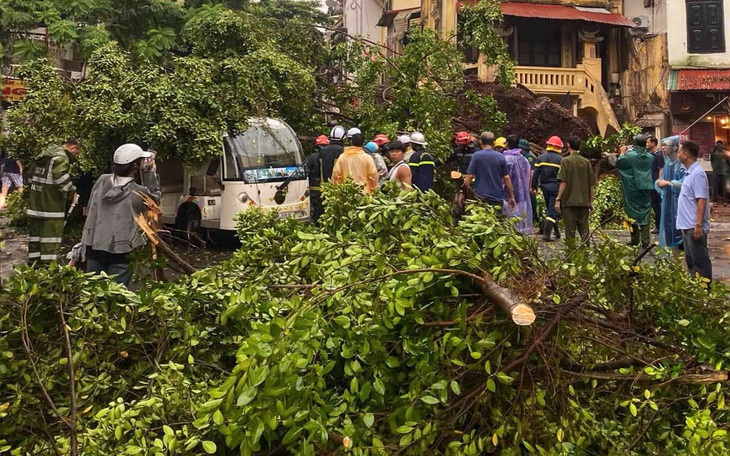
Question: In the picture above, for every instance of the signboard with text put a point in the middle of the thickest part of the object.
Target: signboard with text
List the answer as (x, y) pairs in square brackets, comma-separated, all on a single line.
[(13, 89)]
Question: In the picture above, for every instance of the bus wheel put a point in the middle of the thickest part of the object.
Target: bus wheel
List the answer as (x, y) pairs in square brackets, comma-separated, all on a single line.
[(187, 222)]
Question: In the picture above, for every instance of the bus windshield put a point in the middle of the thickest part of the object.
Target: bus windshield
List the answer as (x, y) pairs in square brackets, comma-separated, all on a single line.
[(268, 151)]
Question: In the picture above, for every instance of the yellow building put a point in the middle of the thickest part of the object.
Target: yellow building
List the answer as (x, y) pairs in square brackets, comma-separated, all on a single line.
[(576, 52)]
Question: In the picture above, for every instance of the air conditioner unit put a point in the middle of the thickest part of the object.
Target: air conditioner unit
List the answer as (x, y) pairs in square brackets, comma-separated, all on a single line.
[(641, 21)]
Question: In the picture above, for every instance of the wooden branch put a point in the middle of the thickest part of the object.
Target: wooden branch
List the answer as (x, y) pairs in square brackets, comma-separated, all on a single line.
[(686, 379), (162, 245), (521, 313), (73, 409), (345, 441)]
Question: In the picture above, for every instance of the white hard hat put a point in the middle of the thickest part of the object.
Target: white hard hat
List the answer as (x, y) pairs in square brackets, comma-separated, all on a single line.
[(127, 153), (337, 132), (418, 138), (405, 139), (353, 131)]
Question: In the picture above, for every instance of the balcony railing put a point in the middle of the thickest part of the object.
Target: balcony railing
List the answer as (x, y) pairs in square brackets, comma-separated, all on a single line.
[(547, 80)]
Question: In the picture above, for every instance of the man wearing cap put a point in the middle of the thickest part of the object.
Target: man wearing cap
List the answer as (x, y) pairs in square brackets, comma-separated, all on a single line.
[(500, 144), (422, 163), (315, 177), (110, 232), (489, 170), (51, 190), (356, 164)]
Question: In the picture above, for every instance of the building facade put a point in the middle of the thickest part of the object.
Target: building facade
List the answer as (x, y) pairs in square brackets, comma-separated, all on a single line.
[(699, 78)]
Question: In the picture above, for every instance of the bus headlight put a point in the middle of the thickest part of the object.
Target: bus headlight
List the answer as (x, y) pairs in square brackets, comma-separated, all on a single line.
[(243, 197)]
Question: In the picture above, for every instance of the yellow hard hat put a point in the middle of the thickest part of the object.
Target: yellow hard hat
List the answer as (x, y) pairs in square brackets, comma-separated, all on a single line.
[(500, 142)]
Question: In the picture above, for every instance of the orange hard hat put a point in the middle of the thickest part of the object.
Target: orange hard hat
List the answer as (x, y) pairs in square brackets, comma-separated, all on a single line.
[(555, 141), (381, 139), (321, 140), (463, 138)]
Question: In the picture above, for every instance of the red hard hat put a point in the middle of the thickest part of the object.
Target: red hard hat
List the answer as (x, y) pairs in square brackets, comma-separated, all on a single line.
[(463, 138), (381, 139), (555, 141), (321, 140)]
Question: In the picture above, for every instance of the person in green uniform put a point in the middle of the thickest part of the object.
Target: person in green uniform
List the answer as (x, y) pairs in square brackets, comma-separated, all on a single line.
[(50, 191), (575, 192), (634, 166)]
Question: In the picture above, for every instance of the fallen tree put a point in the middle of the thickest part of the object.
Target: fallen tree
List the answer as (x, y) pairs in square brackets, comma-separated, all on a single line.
[(372, 334)]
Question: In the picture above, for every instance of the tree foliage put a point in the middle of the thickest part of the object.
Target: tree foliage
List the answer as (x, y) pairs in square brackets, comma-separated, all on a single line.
[(370, 333)]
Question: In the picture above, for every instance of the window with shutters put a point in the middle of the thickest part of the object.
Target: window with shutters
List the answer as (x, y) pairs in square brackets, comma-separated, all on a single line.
[(705, 27)]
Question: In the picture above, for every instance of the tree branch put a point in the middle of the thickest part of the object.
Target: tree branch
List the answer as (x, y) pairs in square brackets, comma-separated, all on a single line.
[(71, 381)]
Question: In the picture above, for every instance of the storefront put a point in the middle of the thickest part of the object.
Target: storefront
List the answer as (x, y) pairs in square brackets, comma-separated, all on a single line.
[(700, 102)]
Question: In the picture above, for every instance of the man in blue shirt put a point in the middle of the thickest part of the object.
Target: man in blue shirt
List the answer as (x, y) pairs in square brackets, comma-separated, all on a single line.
[(488, 168), (693, 212)]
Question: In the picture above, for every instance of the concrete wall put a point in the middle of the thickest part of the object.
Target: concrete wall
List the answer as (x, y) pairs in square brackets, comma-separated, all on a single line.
[(361, 16), (657, 14), (677, 36)]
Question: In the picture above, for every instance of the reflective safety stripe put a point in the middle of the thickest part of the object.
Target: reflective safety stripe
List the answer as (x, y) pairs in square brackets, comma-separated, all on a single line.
[(550, 219), (49, 257), (315, 189), (40, 180), (50, 240), (428, 163), (34, 239), (44, 214), (63, 179), (414, 165), (34, 255), (67, 187), (554, 165)]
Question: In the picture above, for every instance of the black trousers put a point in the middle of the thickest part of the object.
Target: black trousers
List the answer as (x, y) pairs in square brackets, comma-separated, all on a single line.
[(656, 206), (696, 254)]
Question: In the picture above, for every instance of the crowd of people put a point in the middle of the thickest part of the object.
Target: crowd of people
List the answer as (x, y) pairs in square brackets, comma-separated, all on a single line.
[(504, 173), (500, 172)]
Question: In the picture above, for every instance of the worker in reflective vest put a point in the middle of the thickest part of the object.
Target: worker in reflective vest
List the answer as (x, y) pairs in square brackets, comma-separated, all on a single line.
[(422, 163), (545, 177), (50, 191)]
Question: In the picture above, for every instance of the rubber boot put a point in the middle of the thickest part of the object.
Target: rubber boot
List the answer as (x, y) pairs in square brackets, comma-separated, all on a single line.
[(557, 231), (635, 236), (547, 230), (540, 226)]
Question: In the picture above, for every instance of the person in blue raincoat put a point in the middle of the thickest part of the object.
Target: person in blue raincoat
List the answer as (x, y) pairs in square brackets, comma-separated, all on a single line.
[(668, 186)]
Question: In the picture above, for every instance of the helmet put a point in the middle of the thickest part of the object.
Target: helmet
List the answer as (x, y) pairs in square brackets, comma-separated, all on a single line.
[(371, 147), (127, 153), (463, 138), (353, 131), (500, 142), (555, 141), (524, 144), (381, 139), (321, 140), (337, 132), (418, 138), (405, 139)]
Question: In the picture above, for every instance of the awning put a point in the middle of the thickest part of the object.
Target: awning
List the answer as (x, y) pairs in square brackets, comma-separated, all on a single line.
[(709, 80), (561, 12), (389, 16), (649, 123)]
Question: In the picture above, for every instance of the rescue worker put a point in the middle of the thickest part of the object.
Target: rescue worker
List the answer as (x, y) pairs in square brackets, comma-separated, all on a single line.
[(465, 147), (329, 154), (315, 177), (372, 149), (50, 191), (422, 163), (381, 140), (545, 177)]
